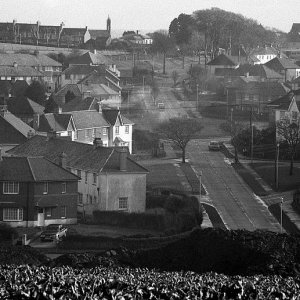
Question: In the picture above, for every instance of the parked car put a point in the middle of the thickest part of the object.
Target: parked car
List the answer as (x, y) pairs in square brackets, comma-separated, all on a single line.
[(214, 146), (53, 232)]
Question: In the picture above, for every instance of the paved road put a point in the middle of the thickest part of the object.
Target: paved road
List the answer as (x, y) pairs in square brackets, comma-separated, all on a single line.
[(239, 208)]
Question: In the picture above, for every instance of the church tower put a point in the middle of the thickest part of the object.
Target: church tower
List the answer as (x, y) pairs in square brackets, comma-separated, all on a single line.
[(108, 25)]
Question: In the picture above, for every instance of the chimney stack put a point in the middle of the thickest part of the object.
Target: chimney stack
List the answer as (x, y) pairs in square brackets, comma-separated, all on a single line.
[(30, 134), (36, 122), (123, 159), (99, 107), (63, 160), (98, 143)]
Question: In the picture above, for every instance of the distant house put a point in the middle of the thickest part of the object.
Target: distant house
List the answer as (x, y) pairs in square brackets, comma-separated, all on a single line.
[(50, 68), (74, 37), (263, 54), (294, 37), (110, 179), (36, 192), (284, 66), (137, 38), (65, 93), (222, 62), (296, 83), (24, 108), (13, 131)]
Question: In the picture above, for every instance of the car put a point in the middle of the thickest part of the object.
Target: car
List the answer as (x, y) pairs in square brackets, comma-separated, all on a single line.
[(53, 232), (214, 146)]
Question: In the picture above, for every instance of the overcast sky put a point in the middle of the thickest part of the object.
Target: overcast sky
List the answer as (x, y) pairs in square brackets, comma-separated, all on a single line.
[(142, 14)]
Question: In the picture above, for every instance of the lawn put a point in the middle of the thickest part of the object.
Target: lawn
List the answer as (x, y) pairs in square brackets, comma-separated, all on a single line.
[(266, 170)]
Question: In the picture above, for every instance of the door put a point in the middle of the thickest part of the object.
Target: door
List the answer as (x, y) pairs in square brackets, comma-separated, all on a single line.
[(41, 217)]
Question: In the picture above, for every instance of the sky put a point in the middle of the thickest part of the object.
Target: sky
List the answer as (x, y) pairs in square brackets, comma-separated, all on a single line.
[(143, 15)]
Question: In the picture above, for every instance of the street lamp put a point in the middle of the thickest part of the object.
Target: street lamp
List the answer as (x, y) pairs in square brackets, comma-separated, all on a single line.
[(276, 167), (281, 203)]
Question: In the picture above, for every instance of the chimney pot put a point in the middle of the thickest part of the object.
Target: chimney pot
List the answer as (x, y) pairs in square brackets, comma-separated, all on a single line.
[(63, 160), (36, 122), (98, 142)]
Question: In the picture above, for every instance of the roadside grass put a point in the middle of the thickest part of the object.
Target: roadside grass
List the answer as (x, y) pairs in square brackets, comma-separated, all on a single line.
[(164, 175), (286, 182)]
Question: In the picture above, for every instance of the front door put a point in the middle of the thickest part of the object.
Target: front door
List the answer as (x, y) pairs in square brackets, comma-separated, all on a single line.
[(41, 217)]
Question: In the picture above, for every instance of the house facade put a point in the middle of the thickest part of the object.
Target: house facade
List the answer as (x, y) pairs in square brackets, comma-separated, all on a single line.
[(36, 192), (110, 179), (263, 54)]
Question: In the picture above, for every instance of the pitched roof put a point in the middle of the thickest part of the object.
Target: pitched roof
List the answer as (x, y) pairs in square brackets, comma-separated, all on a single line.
[(258, 70), (22, 105), (224, 60), (54, 122), (29, 60), (79, 70), (111, 116), (5, 87), (78, 103), (97, 89), (22, 71), (89, 58), (283, 102), (33, 169), (79, 155), (278, 63), (19, 87), (264, 51), (73, 31), (99, 33), (17, 123), (88, 119)]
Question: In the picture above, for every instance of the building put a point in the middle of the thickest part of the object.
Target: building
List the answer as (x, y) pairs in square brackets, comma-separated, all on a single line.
[(13, 131), (284, 66), (263, 54), (36, 192), (223, 62), (110, 179), (50, 68)]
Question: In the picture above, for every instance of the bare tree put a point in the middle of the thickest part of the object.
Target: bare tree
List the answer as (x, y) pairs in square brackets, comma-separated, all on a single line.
[(289, 132), (175, 76), (180, 131)]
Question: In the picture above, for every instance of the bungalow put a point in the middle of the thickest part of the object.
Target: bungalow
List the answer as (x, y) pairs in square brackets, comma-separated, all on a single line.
[(36, 192), (110, 179), (263, 54)]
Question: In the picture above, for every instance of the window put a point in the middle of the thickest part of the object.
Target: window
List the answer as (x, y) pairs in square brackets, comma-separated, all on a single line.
[(63, 211), (48, 211), (104, 131), (127, 129), (117, 129), (94, 132), (69, 133), (80, 198), (68, 76), (64, 187), (294, 116), (10, 187), (123, 203), (79, 173), (45, 189), (75, 135), (13, 214), (88, 133), (86, 177), (94, 178), (282, 114)]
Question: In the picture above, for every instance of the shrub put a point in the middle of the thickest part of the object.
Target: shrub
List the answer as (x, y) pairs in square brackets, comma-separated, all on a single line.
[(7, 232)]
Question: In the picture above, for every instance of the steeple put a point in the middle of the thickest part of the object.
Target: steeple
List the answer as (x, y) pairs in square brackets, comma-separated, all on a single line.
[(108, 24)]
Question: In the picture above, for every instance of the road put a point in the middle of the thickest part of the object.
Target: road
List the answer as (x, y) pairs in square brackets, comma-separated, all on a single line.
[(238, 207)]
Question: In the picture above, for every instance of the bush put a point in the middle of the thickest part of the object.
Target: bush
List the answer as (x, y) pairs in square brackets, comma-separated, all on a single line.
[(7, 232)]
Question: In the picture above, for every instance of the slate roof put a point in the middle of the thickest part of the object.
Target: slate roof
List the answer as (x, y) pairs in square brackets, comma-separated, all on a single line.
[(283, 102), (19, 71), (54, 122), (97, 89), (22, 105), (79, 155), (264, 51), (5, 87), (30, 60), (33, 169), (17, 123), (89, 103), (80, 69), (19, 87), (90, 58), (98, 33), (279, 64), (73, 31), (258, 70), (88, 119), (224, 60), (111, 116)]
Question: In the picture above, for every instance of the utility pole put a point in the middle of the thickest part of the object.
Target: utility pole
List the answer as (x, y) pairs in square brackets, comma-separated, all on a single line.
[(200, 182), (252, 143), (276, 167), (197, 104), (281, 204), (227, 100)]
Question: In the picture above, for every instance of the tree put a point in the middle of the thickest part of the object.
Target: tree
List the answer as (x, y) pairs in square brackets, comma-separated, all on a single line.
[(51, 106), (154, 90), (180, 131), (289, 132), (36, 92), (69, 96), (162, 43), (175, 77)]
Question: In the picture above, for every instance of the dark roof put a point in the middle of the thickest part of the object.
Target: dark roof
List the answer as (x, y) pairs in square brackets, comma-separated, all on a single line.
[(89, 103), (29, 60), (282, 102), (22, 71), (54, 122), (79, 155), (22, 105), (111, 116), (279, 64), (33, 169), (224, 60), (99, 33), (258, 70), (79, 69), (5, 87), (89, 58), (73, 31), (264, 51), (19, 88)]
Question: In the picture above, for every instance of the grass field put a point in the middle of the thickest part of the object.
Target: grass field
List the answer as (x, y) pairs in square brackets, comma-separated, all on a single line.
[(287, 182)]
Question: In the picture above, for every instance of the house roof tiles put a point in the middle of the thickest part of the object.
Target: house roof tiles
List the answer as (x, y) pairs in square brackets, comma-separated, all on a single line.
[(32, 169), (22, 105), (19, 71)]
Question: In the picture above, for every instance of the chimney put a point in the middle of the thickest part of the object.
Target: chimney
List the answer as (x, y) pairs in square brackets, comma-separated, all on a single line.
[(95, 51), (30, 134), (137, 32), (15, 65), (63, 160), (51, 134), (36, 122), (59, 111), (123, 159), (247, 75), (99, 107), (98, 143)]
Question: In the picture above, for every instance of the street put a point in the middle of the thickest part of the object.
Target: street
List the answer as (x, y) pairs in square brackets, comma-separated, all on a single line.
[(233, 199)]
